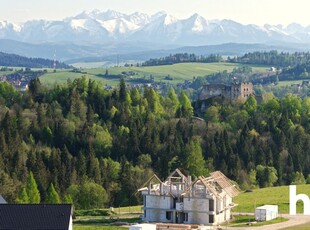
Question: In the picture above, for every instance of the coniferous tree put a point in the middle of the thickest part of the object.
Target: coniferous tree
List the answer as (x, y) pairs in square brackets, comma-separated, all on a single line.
[(194, 161), (52, 196), (23, 197), (32, 190), (122, 90), (186, 107), (67, 199)]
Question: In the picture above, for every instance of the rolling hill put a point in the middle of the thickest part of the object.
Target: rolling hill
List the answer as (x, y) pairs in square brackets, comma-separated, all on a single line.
[(13, 60), (247, 201), (178, 72)]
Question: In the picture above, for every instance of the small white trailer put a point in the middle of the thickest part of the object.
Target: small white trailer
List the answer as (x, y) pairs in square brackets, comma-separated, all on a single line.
[(143, 227), (266, 212)]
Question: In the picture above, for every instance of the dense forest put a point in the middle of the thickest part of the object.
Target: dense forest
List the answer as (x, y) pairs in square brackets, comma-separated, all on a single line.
[(20, 61), (182, 58), (80, 142), (273, 58)]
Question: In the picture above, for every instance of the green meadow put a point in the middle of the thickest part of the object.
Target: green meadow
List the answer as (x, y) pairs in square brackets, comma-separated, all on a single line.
[(178, 72), (62, 76), (247, 201), (288, 83)]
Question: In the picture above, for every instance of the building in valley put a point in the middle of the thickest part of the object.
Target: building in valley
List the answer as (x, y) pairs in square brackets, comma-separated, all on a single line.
[(178, 199)]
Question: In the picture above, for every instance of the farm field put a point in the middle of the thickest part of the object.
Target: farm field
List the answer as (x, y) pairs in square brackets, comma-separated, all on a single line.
[(61, 76), (289, 83), (247, 201), (178, 72)]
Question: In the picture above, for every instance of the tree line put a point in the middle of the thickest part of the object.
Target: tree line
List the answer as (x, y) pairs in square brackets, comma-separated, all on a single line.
[(21, 61), (182, 58), (95, 147), (273, 58)]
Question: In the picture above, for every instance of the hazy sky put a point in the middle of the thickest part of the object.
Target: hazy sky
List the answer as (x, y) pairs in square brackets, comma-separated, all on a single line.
[(244, 11)]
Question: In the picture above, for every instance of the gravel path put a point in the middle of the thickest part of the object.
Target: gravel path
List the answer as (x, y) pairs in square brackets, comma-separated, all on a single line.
[(293, 221)]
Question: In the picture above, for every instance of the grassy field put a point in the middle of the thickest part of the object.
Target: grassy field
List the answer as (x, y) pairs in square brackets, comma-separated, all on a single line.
[(179, 72), (61, 76), (96, 227), (242, 221), (106, 222), (288, 83), (274, 195)]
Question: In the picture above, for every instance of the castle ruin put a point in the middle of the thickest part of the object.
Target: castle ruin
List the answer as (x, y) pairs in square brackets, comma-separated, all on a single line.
[(233, 92)]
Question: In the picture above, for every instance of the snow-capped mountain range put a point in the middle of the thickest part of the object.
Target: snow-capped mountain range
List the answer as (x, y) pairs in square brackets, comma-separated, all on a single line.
[(108, 27)]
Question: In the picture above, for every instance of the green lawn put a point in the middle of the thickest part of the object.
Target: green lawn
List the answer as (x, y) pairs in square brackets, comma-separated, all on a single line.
[(105, 222), (96, 227), (244, 220), (179, 72), (273, 195)]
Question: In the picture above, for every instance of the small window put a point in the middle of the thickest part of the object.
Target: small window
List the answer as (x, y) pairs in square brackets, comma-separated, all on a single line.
[(211, 219), (168, 215), (186, 217), (144, 213), (211, 205)]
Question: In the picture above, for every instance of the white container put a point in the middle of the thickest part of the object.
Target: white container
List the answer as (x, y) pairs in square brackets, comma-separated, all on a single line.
[(266, 212)]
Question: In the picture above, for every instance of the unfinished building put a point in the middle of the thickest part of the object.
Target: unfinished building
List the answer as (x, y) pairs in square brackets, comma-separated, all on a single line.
[(178, 199)]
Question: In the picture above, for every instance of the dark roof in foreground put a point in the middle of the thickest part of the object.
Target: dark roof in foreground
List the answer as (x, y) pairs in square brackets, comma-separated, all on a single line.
[(35, 216)]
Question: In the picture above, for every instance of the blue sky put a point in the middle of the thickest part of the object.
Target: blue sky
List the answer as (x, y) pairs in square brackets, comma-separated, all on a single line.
[(244, 11)]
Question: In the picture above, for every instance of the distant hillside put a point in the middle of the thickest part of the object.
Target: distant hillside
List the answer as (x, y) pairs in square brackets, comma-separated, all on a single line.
[(228, 49), (182, 58), (21, 61)]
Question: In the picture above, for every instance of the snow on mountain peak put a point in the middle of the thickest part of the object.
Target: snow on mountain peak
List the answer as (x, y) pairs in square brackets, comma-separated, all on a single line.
[(101, 26), (169, 19), (139, 18), (78, 23), (10, 26), (157, 15), (197, 23), (120, 26)]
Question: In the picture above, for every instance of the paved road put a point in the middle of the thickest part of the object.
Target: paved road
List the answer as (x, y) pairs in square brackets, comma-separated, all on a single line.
[(293, 221)]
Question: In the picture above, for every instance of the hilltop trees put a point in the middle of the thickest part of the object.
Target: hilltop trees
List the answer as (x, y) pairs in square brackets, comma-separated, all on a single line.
[(79, 137), (181, 58)]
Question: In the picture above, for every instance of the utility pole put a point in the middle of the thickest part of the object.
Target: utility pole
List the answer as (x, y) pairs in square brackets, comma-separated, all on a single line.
[(54, 64)]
